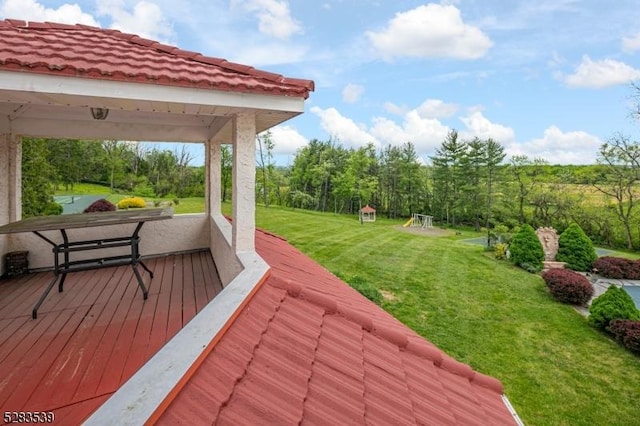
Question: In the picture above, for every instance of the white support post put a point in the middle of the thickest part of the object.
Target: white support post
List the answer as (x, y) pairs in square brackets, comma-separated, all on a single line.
[(213, 160), (15, 178), (244, 174), (5, 193), (10, 189)]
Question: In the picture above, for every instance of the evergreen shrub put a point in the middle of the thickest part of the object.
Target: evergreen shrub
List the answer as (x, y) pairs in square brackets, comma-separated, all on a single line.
[(626, 332), (132, 202), (52, 209), (613, 304), (576, 249), (526, 250), (100, 205), (568, 287)]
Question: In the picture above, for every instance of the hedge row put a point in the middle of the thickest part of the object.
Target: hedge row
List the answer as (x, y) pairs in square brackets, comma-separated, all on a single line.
[(626, 332), (618, 268)]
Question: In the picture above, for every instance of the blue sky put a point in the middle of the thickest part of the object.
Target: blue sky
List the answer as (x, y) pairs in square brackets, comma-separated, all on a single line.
[(548, 79)]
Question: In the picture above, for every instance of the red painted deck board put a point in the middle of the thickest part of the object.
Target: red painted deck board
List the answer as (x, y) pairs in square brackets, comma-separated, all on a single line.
[(92, 337)]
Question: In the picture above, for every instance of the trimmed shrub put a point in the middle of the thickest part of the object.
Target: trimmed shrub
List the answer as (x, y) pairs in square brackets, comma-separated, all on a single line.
[(568, 287), (576, 249), (101, 205), (132, 203), (617, 268), (626, 332), (526, 250), (613, 304), (52, 209), (500, 250)]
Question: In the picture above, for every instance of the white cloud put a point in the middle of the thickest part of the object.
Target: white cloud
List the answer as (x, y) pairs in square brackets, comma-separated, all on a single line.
[(287, 140), (31, 10), (558, 147), (394, 109), (351, 93), (631, 44), (477, 125), (146, 19), (274, 17), (343, 128), (431, 108), (431, 30), (425, 134), (599, 74), (435, 108)]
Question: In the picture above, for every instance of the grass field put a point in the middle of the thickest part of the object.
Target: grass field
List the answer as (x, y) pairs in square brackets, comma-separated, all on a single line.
[(186, 205), (556, 369)]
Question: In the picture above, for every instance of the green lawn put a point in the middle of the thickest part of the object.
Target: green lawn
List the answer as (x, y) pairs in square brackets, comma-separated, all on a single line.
[(185, 205), (556, 369), (499, 319)]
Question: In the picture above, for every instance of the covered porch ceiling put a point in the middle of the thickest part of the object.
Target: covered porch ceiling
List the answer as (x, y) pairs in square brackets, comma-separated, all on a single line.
[(59, 107)]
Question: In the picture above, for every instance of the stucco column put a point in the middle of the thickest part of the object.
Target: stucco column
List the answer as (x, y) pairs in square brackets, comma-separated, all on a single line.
[(5, 153), (244, 178), (13, 164), (10, 188), (213, 161)]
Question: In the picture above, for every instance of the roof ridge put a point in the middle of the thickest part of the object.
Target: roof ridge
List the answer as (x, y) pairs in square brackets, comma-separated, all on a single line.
[(167, 49), (393, 335)]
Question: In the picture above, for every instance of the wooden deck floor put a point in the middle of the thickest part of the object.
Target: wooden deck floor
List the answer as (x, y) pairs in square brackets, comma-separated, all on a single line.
[(92, 337)]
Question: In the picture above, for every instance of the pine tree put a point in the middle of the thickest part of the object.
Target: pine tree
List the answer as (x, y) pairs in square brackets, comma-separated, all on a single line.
[(576, 249)]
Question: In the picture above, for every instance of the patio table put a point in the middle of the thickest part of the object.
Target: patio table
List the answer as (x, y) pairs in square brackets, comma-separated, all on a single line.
[(85, 220)]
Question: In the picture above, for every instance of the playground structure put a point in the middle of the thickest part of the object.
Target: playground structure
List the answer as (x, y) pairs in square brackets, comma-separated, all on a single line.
[(420, 221)]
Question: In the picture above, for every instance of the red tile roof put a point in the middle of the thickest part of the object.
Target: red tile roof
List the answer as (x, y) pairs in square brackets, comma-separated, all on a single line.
[(90, 52), (367, 209), (308, 348)]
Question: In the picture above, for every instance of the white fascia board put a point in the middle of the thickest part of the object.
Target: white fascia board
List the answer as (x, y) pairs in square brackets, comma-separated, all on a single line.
[(64, 129), (512, 410), (86, 87)]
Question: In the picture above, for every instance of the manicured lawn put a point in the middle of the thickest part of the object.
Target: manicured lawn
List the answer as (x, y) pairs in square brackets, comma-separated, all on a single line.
[(556, 369), (185, 205)]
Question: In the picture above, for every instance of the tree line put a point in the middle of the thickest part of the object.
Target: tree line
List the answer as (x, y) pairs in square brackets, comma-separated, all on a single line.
[(467, 183), (122, 166), (464, 183)]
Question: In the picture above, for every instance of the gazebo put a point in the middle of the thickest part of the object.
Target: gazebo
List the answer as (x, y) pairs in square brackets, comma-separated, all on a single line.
[(239, 327), (64, 81), (367, 214)]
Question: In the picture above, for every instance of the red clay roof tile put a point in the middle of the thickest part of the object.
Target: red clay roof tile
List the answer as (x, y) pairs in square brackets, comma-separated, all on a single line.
[(323, 354), (90, 52)]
